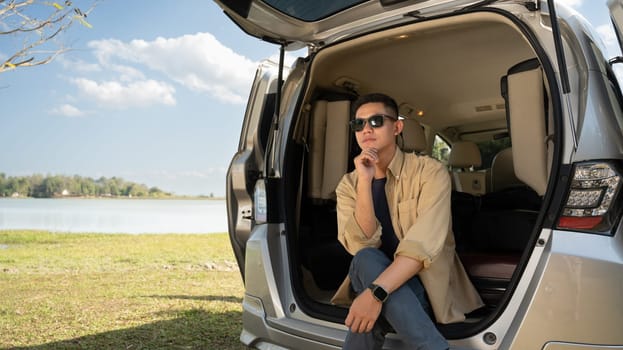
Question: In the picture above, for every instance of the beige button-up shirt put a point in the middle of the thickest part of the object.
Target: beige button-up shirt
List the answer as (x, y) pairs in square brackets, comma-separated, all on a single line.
[(418, 194)]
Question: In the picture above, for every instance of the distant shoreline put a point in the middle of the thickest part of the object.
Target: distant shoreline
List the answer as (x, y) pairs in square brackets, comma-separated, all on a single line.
[(64, 186)]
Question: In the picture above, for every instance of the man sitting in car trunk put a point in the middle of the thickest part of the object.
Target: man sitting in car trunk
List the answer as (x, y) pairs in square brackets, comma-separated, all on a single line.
[(394, 217)]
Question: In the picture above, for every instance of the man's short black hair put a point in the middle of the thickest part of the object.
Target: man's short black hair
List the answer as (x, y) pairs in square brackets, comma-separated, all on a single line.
[(389, 102)]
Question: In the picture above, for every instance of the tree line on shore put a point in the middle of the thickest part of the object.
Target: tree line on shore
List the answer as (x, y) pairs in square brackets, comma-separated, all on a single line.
[(52, 186)]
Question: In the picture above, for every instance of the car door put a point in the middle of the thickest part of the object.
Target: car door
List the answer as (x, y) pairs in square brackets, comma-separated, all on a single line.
[(248, 161), (616, 14), (299, 23)]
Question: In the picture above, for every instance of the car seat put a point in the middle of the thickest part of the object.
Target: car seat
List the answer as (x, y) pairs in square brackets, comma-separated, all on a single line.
[(413, 138), (464, 157)]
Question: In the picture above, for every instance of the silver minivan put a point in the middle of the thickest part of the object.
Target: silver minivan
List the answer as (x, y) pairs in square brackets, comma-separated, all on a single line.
[(515, 97)]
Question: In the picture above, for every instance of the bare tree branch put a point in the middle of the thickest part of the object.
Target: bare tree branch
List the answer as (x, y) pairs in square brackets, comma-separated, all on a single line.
[(17, 19)]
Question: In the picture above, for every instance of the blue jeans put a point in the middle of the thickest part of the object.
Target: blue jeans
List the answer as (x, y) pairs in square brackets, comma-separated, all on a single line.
[(407, 309)]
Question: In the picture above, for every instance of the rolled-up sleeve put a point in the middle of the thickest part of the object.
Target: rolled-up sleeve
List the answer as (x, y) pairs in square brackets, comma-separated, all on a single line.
[(426, 218), (349, 232)]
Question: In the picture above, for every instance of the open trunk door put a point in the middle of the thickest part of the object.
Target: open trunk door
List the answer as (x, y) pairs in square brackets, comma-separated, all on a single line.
[(299, 23), (248, 162), (616, 14)]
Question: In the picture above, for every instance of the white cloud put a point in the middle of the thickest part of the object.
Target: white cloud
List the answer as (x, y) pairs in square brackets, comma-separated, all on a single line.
[(199, 62), (607, 34), (133, 94), (573, 3), (77, 65), (67, 110)]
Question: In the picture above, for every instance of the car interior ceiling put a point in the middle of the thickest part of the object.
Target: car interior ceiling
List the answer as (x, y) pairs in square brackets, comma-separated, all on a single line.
[(452, 69)]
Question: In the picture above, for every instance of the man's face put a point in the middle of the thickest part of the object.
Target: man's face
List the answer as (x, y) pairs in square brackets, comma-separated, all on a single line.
[(377, 137)]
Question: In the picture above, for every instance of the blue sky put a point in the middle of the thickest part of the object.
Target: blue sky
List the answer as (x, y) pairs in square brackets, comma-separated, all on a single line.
[(154, 93)]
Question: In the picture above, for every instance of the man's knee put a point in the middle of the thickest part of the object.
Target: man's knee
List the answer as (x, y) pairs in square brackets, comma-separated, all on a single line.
[(370, 255), (369, 262)]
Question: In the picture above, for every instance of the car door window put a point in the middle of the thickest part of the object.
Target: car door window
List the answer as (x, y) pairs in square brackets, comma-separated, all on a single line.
[(441, 150)]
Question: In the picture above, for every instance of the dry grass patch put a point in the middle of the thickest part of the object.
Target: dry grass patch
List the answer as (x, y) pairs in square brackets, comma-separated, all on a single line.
[(103, 291)]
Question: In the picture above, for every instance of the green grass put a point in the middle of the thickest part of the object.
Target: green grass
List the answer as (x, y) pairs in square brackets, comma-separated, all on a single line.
[(109, 291)]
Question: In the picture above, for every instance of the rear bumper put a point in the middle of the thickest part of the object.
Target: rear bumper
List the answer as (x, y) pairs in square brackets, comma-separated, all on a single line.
[(258, 333)]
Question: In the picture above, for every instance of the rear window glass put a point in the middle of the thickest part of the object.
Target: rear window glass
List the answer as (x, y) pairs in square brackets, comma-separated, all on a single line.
[(311, 10)]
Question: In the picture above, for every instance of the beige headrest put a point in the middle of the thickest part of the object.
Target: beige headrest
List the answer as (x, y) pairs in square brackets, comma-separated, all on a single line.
[(414, 139), (464, 154), (502, 171)]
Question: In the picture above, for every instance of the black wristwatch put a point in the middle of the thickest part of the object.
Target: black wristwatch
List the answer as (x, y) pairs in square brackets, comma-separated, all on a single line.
[(379, 293)]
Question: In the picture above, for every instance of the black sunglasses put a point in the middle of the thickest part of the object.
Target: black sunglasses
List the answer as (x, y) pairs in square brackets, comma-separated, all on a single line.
[(376, 121)]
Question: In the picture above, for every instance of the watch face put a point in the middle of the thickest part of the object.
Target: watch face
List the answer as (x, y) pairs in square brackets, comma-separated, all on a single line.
[(379, 293)]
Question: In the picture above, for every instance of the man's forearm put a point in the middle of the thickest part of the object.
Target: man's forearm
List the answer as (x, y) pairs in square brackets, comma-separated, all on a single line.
[(364, 209), (398, 272)]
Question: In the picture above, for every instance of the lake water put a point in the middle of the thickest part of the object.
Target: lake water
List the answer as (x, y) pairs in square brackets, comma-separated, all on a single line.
[(114, 215)]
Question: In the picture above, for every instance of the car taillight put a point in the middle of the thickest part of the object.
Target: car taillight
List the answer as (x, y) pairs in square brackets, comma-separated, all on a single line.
[(593, 202)]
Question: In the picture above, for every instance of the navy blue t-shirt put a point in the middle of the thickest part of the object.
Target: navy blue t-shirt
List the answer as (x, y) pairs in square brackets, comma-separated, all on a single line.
[(389, 241)]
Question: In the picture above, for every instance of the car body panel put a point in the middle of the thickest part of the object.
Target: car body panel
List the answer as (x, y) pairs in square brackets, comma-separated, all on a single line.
[(593, 126), (581, 272), (576, 346)]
